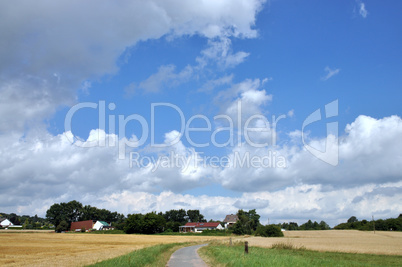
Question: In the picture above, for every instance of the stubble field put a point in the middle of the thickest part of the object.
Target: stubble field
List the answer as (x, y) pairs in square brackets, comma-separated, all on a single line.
[(51, 249), (71, 249), (351, 241)]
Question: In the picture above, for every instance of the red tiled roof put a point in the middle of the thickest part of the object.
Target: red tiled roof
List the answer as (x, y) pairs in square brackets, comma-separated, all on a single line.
[(200, 224), (82, 224)]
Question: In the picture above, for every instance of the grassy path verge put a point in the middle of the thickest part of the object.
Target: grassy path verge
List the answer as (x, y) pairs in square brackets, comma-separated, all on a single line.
[(224, 255), (157, 255)]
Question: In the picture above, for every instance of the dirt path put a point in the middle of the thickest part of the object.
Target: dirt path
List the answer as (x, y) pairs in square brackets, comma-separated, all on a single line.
[(187, 256)]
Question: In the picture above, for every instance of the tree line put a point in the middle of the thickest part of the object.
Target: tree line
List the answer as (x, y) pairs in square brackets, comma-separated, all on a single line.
[(27, 221), (60, 215), (152, 223), (391, 224), (309, 225), (63, 214)]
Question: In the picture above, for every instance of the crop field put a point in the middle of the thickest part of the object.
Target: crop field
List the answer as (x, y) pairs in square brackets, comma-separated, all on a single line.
[(75, 249), (351, 241), (51, 249)]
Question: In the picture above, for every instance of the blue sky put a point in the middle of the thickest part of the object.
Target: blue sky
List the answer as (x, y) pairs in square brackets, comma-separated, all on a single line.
[(267, 59)]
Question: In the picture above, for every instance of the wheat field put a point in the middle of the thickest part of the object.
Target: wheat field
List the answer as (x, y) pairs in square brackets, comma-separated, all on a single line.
[(71, 249), (51, 249), (387, 243)]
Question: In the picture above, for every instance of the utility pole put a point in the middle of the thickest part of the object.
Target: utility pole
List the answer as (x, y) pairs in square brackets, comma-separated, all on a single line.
[(372, 216)]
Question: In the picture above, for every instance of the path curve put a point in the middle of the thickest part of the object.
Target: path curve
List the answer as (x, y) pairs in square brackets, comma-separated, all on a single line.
[(187, 256)]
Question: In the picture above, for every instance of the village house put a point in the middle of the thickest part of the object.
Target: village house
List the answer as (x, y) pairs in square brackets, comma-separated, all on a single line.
[(198, 227), (5, 222), (90, 224), (230, 220)]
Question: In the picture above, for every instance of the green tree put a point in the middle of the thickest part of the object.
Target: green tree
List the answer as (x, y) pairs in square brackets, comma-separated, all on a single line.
[(324, 226), (55, 214), (195, 216), (153, 223), (269, 231), (247, 223), (73, 210), (62, 227), (134, 224), (352, 219)]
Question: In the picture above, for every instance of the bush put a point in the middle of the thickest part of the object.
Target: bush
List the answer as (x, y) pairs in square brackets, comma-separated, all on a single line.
[(62, 227), (269, 231)]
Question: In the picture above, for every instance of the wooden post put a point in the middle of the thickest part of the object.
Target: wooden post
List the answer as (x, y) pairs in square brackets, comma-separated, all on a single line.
[(230, 241), (246, 247), (373, 223)]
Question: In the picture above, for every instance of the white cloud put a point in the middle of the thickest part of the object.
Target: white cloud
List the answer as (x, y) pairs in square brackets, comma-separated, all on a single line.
[(50, 169), (166, 77), (362, 8), (219, 51), (368, 153), (212, 84), (330, 73), (82, 40), (297, 203), (246, 98)]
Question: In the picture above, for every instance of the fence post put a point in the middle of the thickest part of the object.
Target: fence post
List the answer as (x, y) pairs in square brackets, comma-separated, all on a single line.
[(246, 247), (230, 241)]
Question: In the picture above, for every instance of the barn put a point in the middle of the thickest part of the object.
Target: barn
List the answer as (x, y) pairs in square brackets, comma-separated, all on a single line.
[(90, 224)]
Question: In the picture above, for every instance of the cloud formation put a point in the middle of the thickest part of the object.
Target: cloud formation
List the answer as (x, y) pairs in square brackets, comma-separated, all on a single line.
[(83, 40), (50, 168), (362, 8)]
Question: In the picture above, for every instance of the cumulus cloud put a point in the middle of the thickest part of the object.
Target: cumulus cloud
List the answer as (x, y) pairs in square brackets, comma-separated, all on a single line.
[(291, 204), (243, 99), (82, 40), (368, 153), (52, 169)]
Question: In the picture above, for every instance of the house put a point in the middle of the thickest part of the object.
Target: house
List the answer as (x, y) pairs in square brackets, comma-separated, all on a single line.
[(198, 227), (101, 225), (230, 220), (90, 224), (5, 222)]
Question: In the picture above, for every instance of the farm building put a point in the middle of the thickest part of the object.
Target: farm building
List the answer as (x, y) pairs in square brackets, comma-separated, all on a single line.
[(90, 224), (5, 222), (198, 227), (101, 225), (230, 220)]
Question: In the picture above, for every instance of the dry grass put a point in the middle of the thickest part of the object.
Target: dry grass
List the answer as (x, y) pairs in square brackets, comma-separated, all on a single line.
[(386, 243), (51, 249)]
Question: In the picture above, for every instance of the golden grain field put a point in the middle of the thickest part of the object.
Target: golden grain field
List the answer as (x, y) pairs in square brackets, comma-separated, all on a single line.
[(387, 243), (51, 249), (71, 249)]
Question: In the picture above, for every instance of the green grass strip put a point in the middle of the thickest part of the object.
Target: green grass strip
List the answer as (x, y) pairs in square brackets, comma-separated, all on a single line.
[(224, 255), (152, 256)]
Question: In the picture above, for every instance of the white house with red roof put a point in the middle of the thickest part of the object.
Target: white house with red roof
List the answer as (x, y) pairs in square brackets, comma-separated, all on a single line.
[(198, 227)]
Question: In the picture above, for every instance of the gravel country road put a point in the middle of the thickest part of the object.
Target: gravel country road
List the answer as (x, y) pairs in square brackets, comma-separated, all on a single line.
[(187, 256)]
